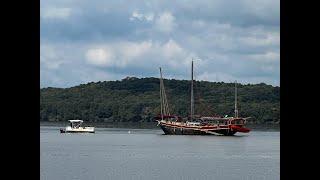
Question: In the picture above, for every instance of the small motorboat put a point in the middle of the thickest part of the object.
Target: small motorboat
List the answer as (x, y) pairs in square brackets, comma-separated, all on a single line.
[(75, 127)]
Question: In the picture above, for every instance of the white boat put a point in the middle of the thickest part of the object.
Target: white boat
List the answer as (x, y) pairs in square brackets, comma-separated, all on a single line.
[(75, 127)]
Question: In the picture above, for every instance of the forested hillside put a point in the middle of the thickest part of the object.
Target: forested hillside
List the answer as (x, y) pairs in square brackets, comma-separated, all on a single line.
[(137, 100)]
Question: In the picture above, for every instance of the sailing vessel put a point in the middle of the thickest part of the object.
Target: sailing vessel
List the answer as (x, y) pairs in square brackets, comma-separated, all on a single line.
[(176, 125)]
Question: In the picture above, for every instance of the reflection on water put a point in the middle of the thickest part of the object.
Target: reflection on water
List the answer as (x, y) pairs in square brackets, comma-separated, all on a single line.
[(147, 154)]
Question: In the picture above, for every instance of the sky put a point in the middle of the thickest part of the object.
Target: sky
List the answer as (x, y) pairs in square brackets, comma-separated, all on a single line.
[(93, 40)]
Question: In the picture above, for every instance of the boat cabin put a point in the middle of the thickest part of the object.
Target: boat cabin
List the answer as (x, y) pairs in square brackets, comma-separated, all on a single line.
[(237, 121), (75, 123), (215, 120), (223, 121), (193, 123)]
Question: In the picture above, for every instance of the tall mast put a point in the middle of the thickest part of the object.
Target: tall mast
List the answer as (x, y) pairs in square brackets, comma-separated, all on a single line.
[(235, 100), (164, 106), (161, 94), (192, 100)]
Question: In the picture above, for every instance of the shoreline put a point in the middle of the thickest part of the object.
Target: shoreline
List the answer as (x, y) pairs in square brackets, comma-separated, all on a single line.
[(147, 125)]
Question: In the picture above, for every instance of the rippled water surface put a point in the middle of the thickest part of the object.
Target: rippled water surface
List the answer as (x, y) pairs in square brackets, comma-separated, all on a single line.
[(146, 154)]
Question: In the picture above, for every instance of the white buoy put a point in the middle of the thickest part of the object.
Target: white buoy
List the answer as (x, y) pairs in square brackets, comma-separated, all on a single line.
[(129, 132)]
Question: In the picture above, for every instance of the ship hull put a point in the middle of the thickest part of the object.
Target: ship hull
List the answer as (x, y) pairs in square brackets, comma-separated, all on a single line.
[(168, 130)]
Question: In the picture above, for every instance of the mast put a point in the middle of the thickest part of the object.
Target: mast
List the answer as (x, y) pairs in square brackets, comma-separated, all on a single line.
[(161, 94), (164, 106), (235, 100), (192, 100)]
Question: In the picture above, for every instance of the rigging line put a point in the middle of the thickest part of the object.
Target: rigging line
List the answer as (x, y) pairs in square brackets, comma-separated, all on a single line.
[(236, 100), (202, 103), (161, 98), (191, 95), (207, 108), (164, 98), (164, 105), (166, 101), (161, 111)]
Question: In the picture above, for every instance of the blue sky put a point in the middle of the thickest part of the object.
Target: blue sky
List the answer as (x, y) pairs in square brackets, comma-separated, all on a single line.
[(93, 40)]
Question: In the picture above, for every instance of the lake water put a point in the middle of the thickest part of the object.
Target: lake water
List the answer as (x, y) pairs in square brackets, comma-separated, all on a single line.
[(146, 154)]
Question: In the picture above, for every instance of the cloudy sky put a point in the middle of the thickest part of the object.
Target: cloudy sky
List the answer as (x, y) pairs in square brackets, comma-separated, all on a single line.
[(93, 40)]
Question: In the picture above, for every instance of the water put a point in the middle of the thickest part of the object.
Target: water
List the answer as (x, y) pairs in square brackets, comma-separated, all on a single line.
[(146, 154)]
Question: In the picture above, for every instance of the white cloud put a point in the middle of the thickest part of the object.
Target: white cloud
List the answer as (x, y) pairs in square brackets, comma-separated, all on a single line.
[(55, 13), (49, 57), (132, 50), (132, 54), (165, 22), (266, 39), (149, 16), (99, 57), (136, 15), (139, 16), (240, 39), (118, 54), (267, 57), (198, 24), (263, 8), (171, 49)]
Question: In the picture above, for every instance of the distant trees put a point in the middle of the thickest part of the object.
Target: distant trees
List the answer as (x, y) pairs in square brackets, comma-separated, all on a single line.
[(137, 100)]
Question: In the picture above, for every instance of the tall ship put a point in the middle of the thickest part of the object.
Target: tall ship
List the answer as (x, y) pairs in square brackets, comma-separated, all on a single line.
[(197, 125)]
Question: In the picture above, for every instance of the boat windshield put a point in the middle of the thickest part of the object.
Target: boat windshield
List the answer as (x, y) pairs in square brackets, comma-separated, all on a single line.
[(75, 124)]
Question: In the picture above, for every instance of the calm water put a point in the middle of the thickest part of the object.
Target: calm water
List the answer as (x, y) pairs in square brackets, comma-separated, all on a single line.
[(146, 154)]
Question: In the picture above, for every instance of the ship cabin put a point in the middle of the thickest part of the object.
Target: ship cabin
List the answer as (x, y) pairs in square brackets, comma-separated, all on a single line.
[(194, 123), (237, 121), (222, 121), (214, 121)]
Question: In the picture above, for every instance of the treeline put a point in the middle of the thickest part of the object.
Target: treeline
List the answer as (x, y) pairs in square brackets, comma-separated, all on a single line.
[(137, 100)]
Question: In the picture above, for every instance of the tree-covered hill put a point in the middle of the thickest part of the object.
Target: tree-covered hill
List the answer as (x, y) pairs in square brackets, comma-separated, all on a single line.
[(137, 100)]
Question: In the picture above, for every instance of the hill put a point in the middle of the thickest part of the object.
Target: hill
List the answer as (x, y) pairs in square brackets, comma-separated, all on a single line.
[(137, 100)]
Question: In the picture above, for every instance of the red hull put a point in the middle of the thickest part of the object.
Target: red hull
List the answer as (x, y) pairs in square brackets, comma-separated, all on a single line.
[(240, 129)]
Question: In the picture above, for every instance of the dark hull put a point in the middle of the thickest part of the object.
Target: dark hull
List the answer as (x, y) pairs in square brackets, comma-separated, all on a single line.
[(187, 131)]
